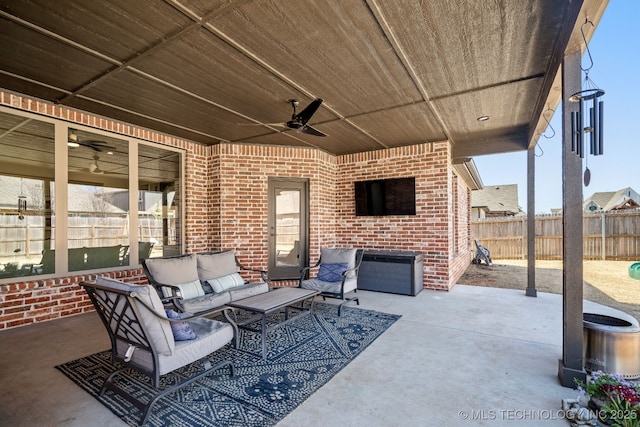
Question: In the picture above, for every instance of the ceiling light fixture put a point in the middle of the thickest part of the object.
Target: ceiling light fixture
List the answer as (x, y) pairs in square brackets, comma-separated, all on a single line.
[(73, 139), (483, 118)]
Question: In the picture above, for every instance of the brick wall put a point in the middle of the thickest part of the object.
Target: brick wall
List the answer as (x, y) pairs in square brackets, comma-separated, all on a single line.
[(33, 301), (242, 199), (226, 208), (427, 231)]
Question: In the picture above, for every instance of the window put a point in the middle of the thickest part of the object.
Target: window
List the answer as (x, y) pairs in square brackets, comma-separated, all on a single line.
[(116, 193), (26, 196), (159, 195)]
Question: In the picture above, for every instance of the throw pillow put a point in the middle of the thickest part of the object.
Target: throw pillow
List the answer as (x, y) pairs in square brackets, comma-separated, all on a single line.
[(332, 272), (221, 284), (188, 290), (182, 331)]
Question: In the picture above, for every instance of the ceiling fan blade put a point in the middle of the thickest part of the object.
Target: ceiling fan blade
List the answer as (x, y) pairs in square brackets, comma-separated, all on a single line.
[(281, 124), (312, 131), (304, 115)]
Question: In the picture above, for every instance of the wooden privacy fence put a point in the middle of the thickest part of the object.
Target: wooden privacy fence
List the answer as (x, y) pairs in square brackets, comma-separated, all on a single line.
[(26, 238), (611, 235)]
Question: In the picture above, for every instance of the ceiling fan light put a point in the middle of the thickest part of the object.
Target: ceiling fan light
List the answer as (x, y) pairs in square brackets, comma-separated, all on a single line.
[(73, 144), (482, 118)]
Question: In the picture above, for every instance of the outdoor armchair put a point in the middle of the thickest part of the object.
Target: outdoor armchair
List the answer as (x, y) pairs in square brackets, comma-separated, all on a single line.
[(337, 275), (146, 338)]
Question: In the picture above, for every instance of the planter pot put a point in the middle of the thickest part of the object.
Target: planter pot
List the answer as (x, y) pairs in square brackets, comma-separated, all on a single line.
[(611, 345)]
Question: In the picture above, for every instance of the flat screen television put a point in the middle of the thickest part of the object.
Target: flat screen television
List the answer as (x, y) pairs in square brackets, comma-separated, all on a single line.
[(392, 196)]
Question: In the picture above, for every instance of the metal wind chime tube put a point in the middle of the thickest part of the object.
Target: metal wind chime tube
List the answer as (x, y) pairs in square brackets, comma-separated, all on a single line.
[(594, 114), (590, 115)]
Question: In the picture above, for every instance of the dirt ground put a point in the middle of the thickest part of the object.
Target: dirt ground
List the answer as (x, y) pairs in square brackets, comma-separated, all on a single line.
[(605, 282)]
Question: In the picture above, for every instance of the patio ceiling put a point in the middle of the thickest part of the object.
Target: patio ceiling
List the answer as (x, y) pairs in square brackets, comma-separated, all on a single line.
[(390, 73)]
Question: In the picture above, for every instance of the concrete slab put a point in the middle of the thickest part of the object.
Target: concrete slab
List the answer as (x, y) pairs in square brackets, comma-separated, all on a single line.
[(471, 356)]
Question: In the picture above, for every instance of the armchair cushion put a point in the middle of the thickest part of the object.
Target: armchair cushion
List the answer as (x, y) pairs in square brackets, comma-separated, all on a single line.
[(332, 272), (334, 256), (224, 283), (161, 336), (182, 331), (212, 265), (173, 270)]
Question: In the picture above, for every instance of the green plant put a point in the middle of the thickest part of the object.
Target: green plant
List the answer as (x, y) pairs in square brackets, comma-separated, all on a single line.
[(620, 398)]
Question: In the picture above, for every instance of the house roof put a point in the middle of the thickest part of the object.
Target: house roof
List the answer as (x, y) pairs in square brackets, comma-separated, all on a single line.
[(608, 200), (497, 198), (390, 73)]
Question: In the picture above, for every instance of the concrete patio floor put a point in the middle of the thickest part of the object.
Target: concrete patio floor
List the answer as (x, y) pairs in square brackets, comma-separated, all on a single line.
[(471, 356)]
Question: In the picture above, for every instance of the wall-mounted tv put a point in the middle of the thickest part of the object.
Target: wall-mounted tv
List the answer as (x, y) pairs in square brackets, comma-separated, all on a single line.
[(393, 196)]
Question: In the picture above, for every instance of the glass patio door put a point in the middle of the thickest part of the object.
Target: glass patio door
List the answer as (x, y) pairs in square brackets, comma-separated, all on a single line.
[(288, 227)]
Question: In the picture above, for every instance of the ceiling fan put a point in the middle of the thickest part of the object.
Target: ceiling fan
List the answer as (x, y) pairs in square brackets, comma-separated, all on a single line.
[(94, 144), (299, 121), (94, 168)]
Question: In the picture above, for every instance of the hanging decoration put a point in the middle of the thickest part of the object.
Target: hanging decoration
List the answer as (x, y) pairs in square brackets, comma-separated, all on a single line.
[(590, 115), (22, 206)]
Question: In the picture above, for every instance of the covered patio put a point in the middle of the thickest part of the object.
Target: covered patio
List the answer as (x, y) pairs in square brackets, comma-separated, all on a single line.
[(415, 88), (469, 356)]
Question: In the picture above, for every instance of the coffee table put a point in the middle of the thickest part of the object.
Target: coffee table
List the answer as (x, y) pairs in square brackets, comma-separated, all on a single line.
[(270, 302)]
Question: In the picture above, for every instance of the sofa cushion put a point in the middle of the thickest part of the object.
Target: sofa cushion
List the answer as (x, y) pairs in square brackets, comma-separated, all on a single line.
[(248, 290), (188, 290), (173, 270), (206, 302), (332, 272), (224, 283), (211, 265), (158, 330), (182, 331)]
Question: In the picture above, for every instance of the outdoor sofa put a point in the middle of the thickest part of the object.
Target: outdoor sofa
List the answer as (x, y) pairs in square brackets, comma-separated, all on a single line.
[(202, 282)]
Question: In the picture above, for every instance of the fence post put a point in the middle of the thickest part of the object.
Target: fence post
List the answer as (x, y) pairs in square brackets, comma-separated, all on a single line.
[(27, 238), (523, 245), (603, 236)]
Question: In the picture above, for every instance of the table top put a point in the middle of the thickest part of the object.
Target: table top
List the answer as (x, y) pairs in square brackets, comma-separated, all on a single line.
[(273, 300)]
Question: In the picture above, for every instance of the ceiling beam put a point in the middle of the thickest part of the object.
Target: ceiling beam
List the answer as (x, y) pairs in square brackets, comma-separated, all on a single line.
[(502, 144), (546, 100), (404, 58)]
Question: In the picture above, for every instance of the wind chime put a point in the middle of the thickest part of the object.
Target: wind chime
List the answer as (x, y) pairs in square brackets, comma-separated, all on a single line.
[(589, 117), (22, 202)]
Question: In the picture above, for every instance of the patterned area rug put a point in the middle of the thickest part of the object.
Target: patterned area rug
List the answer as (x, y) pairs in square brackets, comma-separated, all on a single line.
[(302, 356)]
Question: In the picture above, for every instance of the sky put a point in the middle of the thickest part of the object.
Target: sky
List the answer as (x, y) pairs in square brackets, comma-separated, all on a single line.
[(615, 49)]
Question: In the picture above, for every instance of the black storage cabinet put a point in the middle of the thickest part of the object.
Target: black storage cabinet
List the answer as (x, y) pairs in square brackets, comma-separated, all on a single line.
[(396, 272)]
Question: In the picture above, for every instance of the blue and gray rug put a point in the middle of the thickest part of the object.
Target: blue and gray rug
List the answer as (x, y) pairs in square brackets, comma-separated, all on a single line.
[(302, 356)]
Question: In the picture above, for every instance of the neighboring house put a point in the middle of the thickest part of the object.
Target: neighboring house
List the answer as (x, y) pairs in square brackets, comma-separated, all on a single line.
[(495, 200), (626, 198)]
